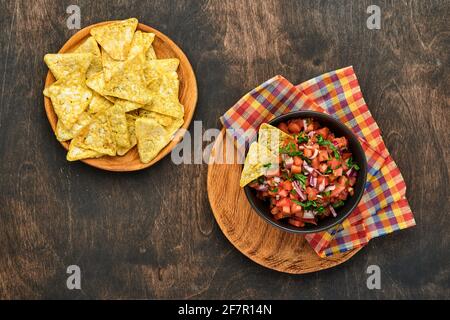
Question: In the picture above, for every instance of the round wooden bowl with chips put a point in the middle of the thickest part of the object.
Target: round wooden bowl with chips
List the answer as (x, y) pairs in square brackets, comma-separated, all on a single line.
[(164, 48)]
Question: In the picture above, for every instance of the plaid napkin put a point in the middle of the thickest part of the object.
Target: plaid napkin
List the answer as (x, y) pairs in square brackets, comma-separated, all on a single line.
[(383, 207)]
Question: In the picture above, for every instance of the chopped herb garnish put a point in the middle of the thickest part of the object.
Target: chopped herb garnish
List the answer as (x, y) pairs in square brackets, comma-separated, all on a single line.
[(275, 190), (327, 193), (261, 180), (309, 204), (329, 171), (267, 165), (293, 192), (351, 164), (291, 150), (300, 178), (320, 209), (323, 142), (338, 204), (302, 137)]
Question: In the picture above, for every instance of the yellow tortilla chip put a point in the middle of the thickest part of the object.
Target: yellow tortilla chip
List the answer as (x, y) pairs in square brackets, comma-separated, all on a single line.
[(70, 98), (129, 83), (116, 37), (132, 134), (64, 134), (167, 107), (151, 54), (98, 103), (119, 126), (77, 153), (151, 137), (128, 106), (97, 83), (64, 64), (90, 46), (162, 119), (271, 137), (259, 159), (98, 136), (173, 127)]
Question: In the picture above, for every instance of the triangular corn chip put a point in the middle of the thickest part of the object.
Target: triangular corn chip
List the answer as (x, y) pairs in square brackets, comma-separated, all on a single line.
[(151, 137), (119, 126), (77, 153), (151, 54), (132, 134), (173, 127), (116, 37), (259, 159), (128, 106), (98, 136), (162, 119), (70, 98), (129, 82), (97, 83), (90, 46), (64, 134), (99, 103), (271, 137), (64, 64)]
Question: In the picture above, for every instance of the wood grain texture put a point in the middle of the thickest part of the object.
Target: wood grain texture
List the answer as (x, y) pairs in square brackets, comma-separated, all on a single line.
[(249, 233), (165, 48), (151, 234)]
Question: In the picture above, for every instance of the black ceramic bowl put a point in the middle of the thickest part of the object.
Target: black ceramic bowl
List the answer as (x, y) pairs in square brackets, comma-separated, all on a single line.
[(339, 129)]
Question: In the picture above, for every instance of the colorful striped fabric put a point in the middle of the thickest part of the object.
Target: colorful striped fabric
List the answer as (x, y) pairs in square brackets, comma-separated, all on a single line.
[(383, 207)]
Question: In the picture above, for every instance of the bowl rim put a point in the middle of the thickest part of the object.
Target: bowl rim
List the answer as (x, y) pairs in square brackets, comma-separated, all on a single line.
[(72, 42), (358, 195)]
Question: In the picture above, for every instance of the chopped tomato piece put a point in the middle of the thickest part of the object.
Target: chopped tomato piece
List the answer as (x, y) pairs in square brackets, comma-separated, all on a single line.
[(298, 161), (323, 167), (285, 202), (338, 172), (294, 127), (296, 223), (287, 185), (323, 132), (283, 127), (311, 193), (286, 209), (334, 163), (346, 155), (322, 179), (296, 169), (296, 208), (273, 173), (315, 163), (275, 210), (342, 180), (337, 190), (283, 193), (308, 153), (323, 155), (351, 181)]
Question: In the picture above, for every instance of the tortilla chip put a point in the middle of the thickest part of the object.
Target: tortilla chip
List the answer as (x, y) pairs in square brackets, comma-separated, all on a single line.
[(97, 83), (119, 126), (64, 134), (90, 46), (132, 134), (173, 127), (128, 106), (151, 137), (64, 64), (98, 136), (166, 107), (98, 104), (129, 82), (162, 119), (151, 54), (70, 98), (77, 153), (259, 159), (116, 37), (271, 137), (141, 43)]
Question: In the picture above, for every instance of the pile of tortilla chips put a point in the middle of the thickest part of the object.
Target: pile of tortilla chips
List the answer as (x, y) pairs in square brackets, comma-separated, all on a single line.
[(262, 156), (112, 93)]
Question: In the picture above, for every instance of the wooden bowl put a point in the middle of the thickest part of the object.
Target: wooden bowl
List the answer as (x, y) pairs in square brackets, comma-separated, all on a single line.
[(164, 48)]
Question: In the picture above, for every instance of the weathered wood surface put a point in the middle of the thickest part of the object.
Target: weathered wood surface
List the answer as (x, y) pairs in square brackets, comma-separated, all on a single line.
[(151, 234)]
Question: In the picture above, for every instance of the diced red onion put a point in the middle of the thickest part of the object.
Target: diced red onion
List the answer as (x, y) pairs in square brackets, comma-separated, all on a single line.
[(349, 172), (333, 212), (330, 188), (308, 167), (298, 189), (304, 124), (322, 185), (311, 134), (319, 196), (313, 181), (288, 162), (277, 179), (277, 197), (316, 152), (308, 214)]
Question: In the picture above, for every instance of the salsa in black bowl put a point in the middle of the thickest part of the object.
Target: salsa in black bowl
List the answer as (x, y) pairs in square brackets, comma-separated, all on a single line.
[(320, 179)]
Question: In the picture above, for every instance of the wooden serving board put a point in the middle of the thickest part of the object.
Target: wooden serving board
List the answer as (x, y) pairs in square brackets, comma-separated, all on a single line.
[(249, 233)]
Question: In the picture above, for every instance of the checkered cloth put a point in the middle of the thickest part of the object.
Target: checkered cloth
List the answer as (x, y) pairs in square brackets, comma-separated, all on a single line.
[(383, 207)]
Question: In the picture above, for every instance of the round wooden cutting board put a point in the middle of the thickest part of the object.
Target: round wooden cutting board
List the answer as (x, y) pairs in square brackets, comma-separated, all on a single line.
[(249, 233)]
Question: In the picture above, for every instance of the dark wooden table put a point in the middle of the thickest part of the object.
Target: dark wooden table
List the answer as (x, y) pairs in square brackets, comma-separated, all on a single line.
[(151, 234)]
